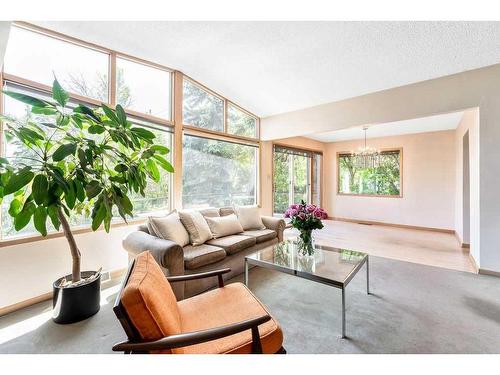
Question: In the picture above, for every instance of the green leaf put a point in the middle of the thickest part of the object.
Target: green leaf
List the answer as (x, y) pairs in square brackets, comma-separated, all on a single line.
[(40, 188), (15, 207), (153, 170), (63, 151), (26, 99), (80, 191), (109, 112), (43, 111), (144, 133), (93, 188), (165, 164), (100, 214), (59, 94), (40, 220), (122, 116), (86, 111), (54, 217), (70, 195), (160, 149), (121, 168), (18, 180), (96, 129), (23, 218)]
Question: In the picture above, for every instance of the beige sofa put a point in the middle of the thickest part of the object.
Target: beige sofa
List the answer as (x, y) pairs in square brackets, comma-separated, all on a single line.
[(229, 251)]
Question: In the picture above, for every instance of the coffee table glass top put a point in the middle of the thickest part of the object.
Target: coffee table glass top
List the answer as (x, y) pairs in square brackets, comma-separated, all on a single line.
[(328, 265)]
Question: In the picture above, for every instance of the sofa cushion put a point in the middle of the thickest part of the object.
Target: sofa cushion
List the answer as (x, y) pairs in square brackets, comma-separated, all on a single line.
[(220, 307), (149, 300), (224, 225), (261, 235), (196, 225), (199, 256), (249, 217), (233, 244), (169, 228), (209, 212), (224, 211)]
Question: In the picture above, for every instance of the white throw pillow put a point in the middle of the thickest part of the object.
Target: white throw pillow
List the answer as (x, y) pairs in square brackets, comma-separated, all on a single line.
[(249, 217), (197, 227), (224, 225), (169, 228)]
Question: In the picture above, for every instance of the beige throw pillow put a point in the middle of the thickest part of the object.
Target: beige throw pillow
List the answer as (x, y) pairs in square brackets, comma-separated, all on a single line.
[(169, 228), (249, 217), (197, 227), (224, 225)]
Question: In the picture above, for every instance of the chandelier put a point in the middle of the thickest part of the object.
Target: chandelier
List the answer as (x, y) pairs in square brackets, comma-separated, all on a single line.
[(366, 157)]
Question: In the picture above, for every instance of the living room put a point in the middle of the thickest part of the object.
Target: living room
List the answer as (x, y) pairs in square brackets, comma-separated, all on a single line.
[(152, 202)]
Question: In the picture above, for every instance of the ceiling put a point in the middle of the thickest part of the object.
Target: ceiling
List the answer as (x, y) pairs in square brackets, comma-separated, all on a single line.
[(277, 67), (436, 123)]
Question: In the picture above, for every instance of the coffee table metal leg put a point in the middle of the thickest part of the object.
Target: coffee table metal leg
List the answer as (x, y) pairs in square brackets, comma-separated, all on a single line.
[(367, 276), (246, 272), (343, 312)]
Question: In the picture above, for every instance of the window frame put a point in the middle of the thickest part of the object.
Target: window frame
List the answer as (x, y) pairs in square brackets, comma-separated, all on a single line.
[(175, 123), (311, 176), (390, 149), (225, 107)]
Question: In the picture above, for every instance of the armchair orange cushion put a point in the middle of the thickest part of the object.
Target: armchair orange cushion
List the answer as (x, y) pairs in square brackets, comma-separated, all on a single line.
[(155, 313)]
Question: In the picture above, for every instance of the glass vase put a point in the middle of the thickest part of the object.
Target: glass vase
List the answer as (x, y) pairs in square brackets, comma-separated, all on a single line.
[(305, 242)]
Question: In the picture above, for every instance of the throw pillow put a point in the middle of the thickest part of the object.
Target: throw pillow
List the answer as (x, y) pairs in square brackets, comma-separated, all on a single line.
[(197, 227), (169, 228), (224, 225), (249, 217)]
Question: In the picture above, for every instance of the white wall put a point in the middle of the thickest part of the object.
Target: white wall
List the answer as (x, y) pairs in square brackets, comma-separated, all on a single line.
[(28, 270), (470, 123), (476, 88), (428, 183)]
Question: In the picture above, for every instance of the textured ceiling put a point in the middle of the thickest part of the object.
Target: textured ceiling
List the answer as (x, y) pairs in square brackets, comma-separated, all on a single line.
[(446, 121), (276, 67)]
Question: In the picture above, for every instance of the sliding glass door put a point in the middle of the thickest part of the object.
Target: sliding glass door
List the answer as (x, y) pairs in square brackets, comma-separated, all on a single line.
[(296, 177)]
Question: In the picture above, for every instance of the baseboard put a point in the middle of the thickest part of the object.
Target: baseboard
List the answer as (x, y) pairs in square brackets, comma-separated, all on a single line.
[(369, 222), (482, 271), (21, 305), (115, 274)]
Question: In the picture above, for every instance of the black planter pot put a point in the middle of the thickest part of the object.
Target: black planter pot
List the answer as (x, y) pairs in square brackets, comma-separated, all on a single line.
[(72, 304)]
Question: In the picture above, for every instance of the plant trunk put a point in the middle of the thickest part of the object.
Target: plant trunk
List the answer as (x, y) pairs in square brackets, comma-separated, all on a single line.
[(75, 253)]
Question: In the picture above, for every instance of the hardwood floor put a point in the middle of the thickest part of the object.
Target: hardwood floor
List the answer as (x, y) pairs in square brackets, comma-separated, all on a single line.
[(410, 245)]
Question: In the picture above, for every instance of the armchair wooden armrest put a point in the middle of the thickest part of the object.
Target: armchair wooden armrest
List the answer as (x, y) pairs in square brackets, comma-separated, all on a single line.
[(202, 275), (198, 337)]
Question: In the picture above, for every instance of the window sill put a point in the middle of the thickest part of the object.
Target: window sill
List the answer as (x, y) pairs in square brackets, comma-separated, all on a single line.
[(78, 230), (369, 195)]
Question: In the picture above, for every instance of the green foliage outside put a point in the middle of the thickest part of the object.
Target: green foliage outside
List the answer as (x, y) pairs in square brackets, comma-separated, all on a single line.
[(284, 166), (383, 179)]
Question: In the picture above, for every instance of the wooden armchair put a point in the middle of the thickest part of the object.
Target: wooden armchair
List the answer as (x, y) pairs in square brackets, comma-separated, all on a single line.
[(229, 319)]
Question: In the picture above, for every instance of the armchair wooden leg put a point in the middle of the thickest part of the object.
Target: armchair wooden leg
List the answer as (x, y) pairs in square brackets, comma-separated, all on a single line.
[(256, 344)]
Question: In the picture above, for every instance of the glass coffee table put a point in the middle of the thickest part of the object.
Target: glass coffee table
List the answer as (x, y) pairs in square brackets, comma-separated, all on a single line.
[(328, 265)]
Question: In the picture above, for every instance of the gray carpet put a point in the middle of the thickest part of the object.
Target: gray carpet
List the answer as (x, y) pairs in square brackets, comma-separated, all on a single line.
[(413, 309)]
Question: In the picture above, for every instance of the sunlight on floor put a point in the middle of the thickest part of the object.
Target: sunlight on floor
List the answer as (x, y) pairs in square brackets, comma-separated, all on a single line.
[(21, 328)]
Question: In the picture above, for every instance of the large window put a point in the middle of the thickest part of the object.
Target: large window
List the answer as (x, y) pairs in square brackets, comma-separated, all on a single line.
[(143, 88), (296, 177), (37, 57), (218, 173), (241, 123), (201, 108), (383, 178), (157, 195)]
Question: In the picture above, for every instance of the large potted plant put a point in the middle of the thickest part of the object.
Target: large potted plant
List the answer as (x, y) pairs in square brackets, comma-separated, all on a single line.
[(78, 160)]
